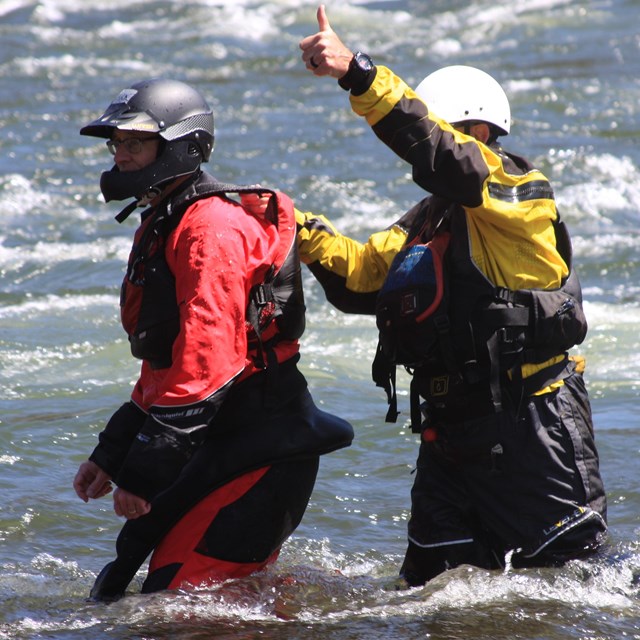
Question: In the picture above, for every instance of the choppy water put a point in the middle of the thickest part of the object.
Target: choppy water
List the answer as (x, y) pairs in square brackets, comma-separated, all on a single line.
[(572, 69)]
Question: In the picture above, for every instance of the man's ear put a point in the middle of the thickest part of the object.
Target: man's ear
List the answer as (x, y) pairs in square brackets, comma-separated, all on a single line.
[(481, 131)]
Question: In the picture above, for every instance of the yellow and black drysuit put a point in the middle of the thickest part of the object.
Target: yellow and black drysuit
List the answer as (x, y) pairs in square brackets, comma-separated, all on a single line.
[(507, 460)]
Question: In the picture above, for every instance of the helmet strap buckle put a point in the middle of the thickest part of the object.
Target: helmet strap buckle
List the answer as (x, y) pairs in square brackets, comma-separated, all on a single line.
[(149, 197)]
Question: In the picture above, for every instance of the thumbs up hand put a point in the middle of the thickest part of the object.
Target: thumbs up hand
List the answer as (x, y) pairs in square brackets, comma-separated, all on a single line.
[(323, 53)]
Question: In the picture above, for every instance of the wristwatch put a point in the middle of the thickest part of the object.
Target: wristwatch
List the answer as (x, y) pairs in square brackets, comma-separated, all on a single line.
[(357, 76)]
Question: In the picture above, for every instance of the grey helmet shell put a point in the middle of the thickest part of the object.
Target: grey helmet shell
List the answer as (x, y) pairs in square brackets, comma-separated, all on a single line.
[(178, 113)]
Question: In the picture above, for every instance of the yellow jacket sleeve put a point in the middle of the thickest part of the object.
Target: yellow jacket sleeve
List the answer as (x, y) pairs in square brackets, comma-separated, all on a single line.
[(350, 272)]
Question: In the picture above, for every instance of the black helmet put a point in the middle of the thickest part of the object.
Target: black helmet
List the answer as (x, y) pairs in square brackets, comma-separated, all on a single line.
[(177, 113)]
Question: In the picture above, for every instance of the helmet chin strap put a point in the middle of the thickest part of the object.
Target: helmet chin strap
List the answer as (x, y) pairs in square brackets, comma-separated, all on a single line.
[(146, 199), (155, 194), (127, 211)]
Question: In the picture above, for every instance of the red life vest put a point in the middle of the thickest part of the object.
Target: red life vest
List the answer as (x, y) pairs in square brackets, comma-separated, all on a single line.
[(149, 309)]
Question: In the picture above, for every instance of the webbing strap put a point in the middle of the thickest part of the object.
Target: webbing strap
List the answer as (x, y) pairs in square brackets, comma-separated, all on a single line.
[(414, 403), (442, 325), (383, 372), (493, 346), (506, 317)]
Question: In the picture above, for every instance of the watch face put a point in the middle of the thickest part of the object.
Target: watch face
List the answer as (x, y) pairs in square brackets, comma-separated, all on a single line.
[(358, 72), (363, 61)]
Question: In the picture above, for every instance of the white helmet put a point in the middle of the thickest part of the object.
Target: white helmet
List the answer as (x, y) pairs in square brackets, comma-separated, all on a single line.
[(460, 94)]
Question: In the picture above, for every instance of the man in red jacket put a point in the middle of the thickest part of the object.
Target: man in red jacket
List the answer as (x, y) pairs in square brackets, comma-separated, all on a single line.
[(216, 453)]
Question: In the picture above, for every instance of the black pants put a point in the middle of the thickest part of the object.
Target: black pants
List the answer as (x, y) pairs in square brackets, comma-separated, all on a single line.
[(526, 482)]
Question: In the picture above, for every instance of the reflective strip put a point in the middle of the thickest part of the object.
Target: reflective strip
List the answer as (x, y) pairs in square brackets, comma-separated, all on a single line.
[(534, 190), (448, 543)]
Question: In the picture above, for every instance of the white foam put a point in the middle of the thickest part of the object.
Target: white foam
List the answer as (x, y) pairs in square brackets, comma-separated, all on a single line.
[(52, 304), (603, 315), (608, 244), (9, 6), (598, 188), (51, 253), (19, 197)]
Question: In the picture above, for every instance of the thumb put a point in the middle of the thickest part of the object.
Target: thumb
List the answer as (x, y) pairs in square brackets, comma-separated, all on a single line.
[(323, 21)]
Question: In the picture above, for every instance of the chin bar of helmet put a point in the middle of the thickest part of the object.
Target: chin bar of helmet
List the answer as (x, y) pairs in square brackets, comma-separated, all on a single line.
[(178, 158)]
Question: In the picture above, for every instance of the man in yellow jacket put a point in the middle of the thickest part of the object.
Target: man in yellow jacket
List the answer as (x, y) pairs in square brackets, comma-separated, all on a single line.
[(508, 470)]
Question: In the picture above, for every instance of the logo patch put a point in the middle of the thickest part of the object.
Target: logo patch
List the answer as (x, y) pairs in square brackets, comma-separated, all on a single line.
[(439, 386), (125, 95)]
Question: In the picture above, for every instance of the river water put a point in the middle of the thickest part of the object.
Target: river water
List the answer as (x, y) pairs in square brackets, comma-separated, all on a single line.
[(572, 70)]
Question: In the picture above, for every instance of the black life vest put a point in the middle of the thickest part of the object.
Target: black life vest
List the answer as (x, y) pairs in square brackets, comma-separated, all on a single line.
[(275, 310), (485, 333)]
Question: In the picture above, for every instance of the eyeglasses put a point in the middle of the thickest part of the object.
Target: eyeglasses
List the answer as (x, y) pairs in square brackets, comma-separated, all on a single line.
[(132, 145)]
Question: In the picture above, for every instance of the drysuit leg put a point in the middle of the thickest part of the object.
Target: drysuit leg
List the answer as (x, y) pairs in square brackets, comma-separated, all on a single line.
[(236, 530)]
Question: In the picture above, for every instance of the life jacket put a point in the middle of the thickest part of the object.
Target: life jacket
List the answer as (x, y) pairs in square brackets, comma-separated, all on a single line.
[(149, 308), (478, 335)]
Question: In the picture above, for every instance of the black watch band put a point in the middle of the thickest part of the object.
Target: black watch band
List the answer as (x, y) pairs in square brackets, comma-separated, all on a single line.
[(359, 75)]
